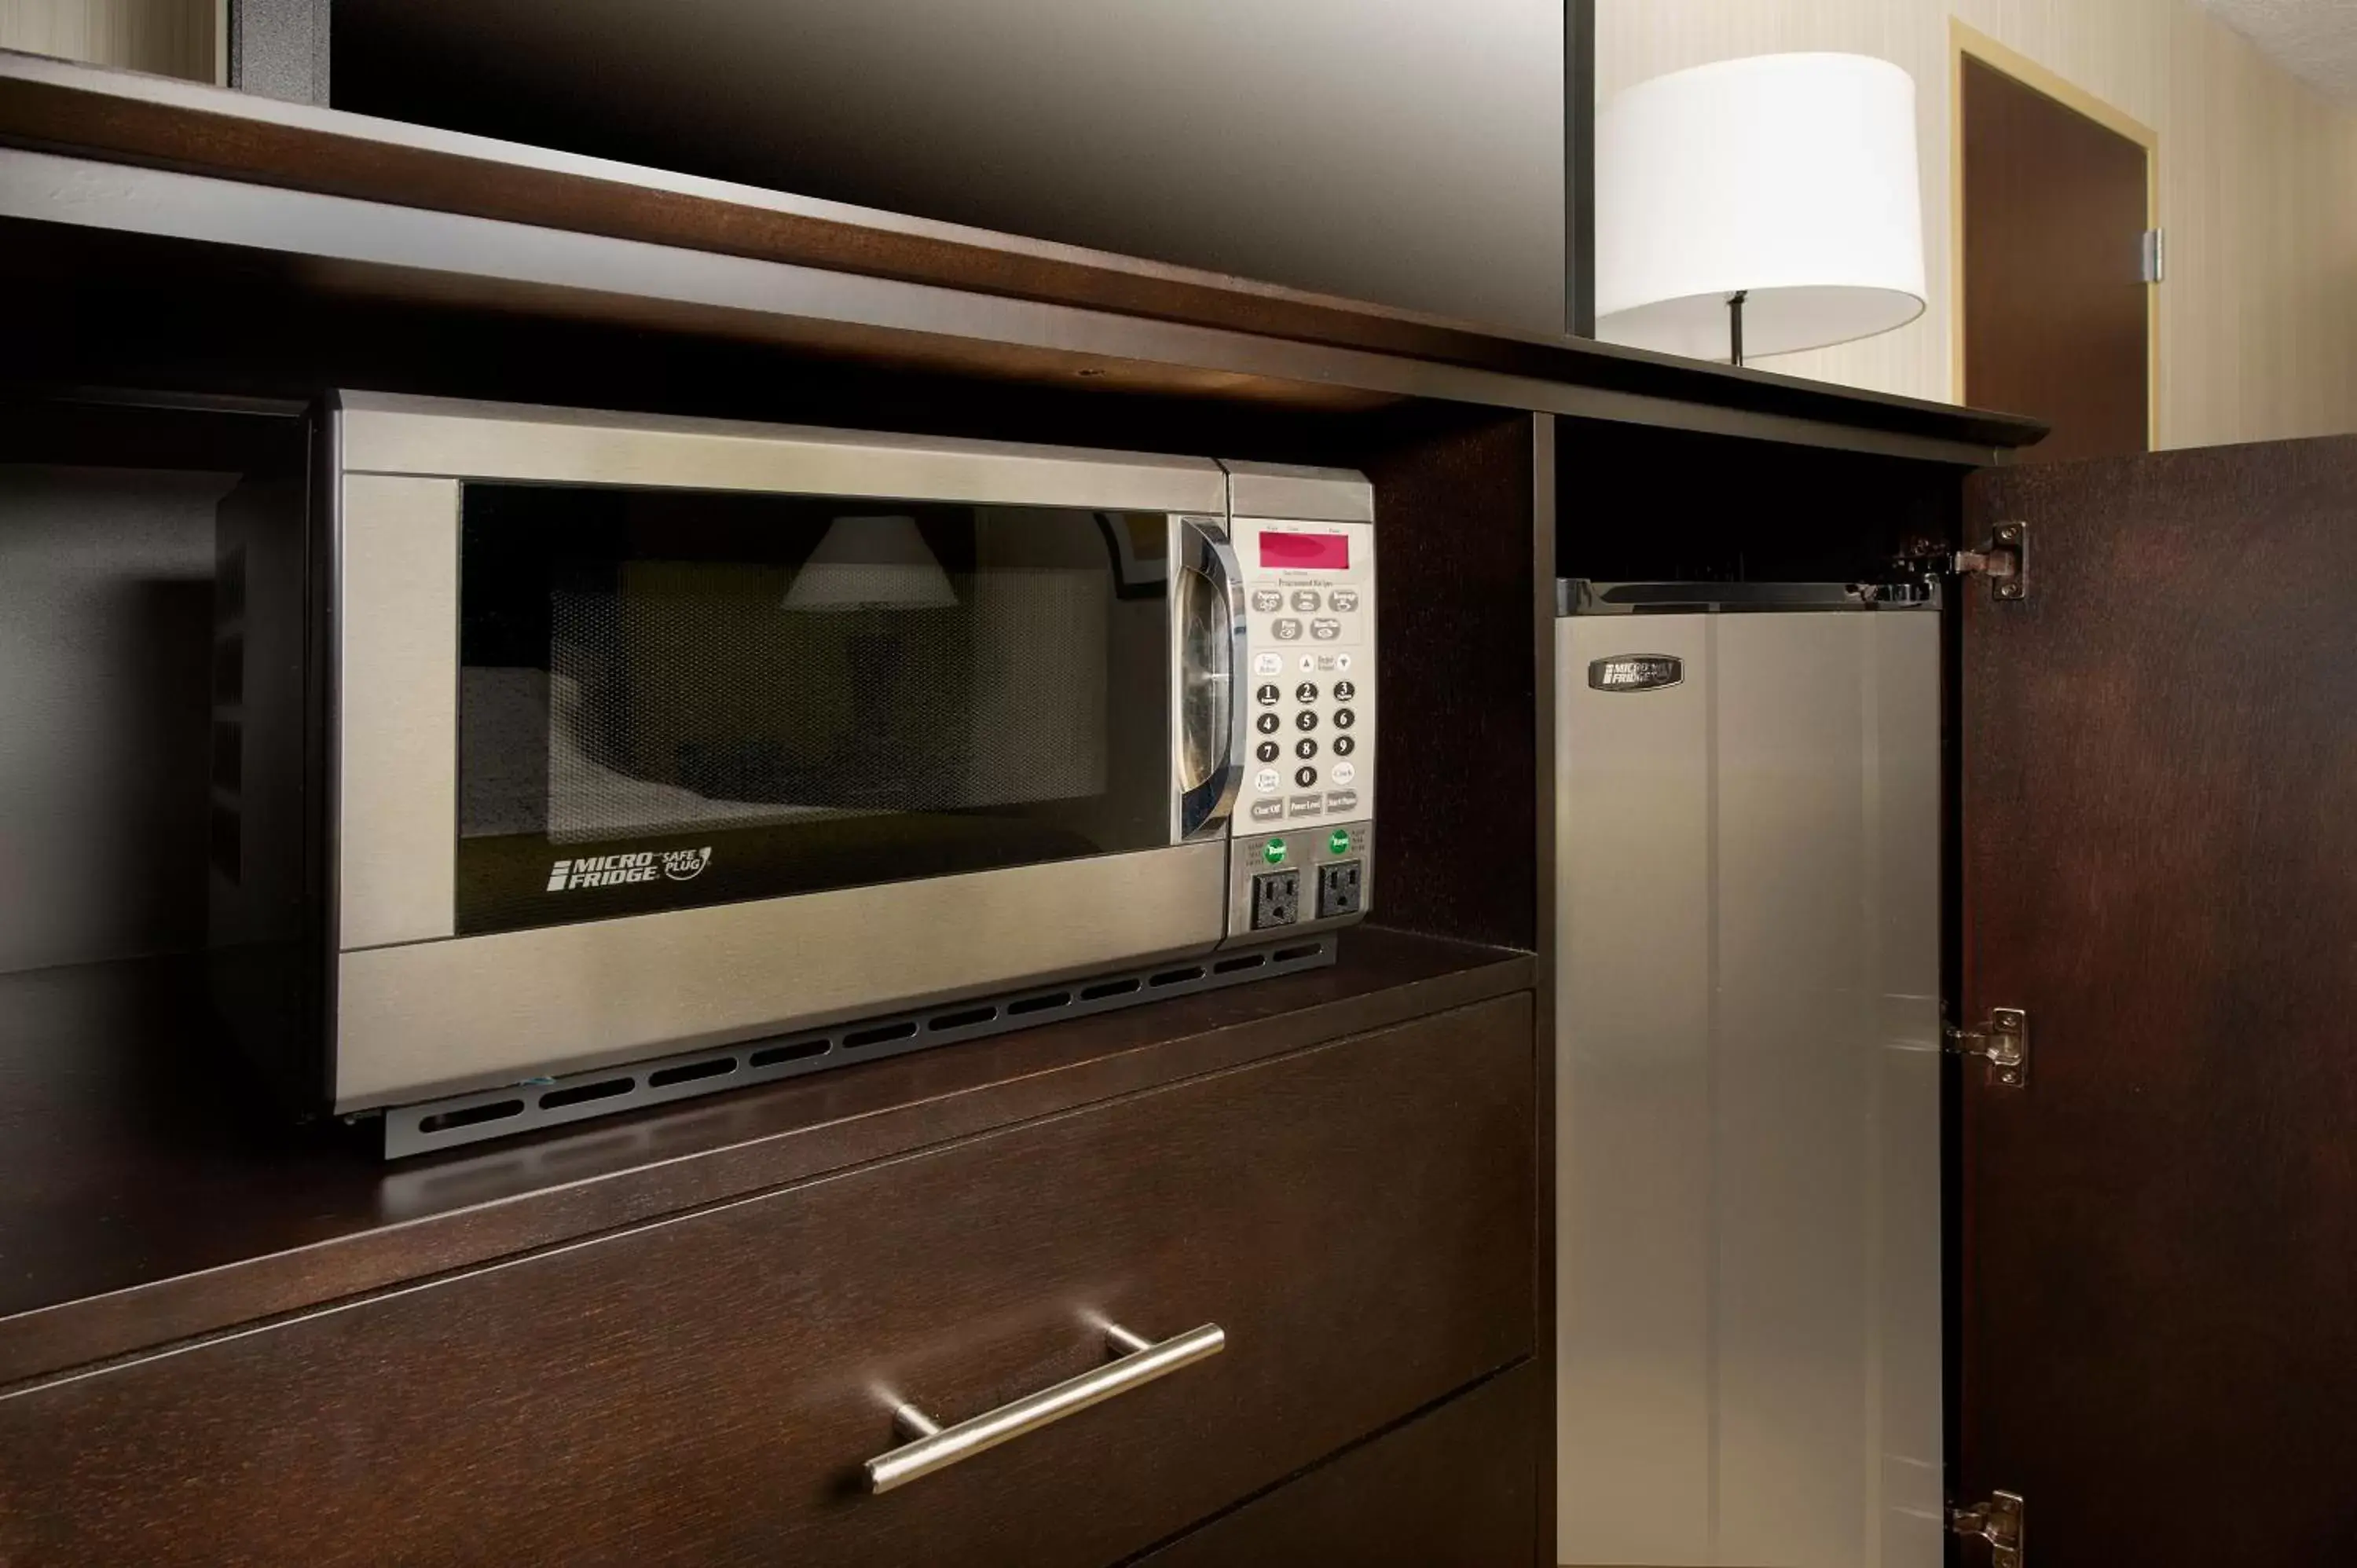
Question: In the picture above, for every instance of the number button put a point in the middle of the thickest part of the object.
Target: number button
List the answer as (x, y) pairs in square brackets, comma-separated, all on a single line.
[(1265, 751), (1305, 777), (1304, 719), (1344, 744), (1266, 724), (1305, 693), (1266, 694), (1345, 718), (1305, 749), (1345, 690)]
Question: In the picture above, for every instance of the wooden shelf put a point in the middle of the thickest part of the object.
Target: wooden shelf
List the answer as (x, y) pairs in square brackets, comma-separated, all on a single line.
[(376, 209), (145, 1198)]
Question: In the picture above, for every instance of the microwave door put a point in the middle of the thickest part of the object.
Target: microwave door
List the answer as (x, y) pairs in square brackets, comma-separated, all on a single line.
[(1209, 736), (669, 699)]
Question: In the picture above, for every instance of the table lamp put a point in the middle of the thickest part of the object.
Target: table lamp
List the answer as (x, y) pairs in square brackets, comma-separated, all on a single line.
[(1762, 205)]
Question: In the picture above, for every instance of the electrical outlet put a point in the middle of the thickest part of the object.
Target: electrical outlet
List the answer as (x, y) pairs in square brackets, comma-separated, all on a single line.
[(1276, 900), (1338, 887)]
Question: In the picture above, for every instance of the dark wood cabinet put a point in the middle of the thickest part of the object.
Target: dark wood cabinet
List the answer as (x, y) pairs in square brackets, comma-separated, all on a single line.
[(1357, 1217), (1456, 1488), (677, 1336), (2156, 1284)]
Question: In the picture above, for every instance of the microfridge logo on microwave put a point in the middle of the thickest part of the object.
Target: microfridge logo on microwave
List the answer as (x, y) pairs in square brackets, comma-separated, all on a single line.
[(613, 870)]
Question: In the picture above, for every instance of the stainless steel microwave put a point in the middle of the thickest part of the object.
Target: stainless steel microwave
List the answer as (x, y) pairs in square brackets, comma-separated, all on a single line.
[(566, 761)]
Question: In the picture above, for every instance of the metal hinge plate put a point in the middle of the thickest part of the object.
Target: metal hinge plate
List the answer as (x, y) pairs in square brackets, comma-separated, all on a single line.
[(2003, 1042), (2004, 560), (2154, 256), (1997, 1521)]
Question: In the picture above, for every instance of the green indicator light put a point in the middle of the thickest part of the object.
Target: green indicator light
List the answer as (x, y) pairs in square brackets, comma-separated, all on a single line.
[(1275, 851), (1339, 842)]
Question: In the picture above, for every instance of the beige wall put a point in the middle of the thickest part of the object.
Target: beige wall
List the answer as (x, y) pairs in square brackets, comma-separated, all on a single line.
[(2257, 187), (170, 37)]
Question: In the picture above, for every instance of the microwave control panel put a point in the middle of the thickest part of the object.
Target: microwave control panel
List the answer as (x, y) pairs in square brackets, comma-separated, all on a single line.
[(1302, 838), (1309, 673)]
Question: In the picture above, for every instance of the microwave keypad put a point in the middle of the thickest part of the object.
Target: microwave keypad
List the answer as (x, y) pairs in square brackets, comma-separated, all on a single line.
[(1312, 665)]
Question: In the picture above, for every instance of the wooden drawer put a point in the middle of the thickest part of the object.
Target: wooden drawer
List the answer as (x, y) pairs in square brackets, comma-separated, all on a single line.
[(1456, 1488), (1359, 1217)]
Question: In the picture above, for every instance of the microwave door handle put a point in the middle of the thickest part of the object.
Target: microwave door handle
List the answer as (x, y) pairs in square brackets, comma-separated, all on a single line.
[(1204, 803)]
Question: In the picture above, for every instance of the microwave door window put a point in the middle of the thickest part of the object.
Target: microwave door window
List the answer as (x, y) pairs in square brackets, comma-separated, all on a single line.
[(675, 698)]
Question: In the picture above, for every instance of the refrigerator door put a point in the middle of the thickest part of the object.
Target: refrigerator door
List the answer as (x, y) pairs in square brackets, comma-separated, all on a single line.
[(1748, 1112)]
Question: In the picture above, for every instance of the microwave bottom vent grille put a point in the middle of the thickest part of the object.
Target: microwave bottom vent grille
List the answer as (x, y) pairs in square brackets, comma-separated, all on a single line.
[(463, 1119)]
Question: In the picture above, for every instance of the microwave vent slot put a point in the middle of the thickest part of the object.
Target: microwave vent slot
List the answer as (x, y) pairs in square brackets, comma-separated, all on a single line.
[(464, 1119), (800, 1050), (688, 1072), (582, 1094), (470, 1116)]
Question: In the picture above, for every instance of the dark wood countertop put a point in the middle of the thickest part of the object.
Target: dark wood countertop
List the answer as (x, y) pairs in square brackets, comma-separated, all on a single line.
[(143, 1198), (126, 119)]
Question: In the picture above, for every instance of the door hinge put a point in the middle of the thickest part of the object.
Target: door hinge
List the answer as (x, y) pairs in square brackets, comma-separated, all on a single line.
[(2004, 560), (2154, 256), (2003, 1042), (1997, 1521)]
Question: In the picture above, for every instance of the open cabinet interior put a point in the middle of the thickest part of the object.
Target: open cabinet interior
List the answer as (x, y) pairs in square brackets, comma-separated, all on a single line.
[(136, 419), (1748, 897)]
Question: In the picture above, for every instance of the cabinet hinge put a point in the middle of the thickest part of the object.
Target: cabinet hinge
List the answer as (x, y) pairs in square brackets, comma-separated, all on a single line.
[(2003, 1042), (1997, 1521), (2153, 257), (2004, 560)]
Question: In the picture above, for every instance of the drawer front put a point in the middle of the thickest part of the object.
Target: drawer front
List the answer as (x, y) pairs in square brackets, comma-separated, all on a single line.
[(1456, 1488), (1358, 1218)]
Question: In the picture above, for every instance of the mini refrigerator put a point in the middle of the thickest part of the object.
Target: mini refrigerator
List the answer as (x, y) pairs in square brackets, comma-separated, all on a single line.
[(1748, 799)]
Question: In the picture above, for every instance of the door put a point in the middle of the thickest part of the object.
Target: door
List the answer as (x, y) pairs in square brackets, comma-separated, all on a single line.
[(2159, 1255), (1747, 1084), (2054, 207)]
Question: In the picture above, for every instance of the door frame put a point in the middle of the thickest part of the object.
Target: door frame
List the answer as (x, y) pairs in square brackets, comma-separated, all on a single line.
[(1968, 42)]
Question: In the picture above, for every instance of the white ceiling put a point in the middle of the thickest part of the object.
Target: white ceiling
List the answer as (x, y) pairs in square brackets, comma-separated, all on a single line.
[(2314, 39)]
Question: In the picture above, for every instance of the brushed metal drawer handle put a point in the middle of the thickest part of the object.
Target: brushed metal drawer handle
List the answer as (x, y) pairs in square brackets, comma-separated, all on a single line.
[(1138, 1363)]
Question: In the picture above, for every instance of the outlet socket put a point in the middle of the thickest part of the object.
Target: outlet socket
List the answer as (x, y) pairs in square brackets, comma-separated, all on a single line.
[(1275, 899), (1339, 887)]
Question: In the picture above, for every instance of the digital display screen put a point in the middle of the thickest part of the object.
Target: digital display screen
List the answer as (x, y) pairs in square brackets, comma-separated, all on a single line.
[(1327, 552)]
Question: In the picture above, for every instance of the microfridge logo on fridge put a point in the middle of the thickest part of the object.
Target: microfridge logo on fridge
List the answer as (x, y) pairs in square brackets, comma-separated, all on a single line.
[(614, 870)]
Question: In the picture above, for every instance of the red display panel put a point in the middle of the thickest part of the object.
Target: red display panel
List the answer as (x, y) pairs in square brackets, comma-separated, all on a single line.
[(1327, 552)]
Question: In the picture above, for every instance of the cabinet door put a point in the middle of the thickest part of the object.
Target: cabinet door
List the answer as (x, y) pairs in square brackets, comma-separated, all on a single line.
[(2159, 1320)]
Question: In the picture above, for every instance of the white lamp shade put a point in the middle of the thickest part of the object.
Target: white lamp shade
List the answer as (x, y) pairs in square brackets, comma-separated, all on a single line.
[(871, 563), (1791, 178)]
